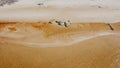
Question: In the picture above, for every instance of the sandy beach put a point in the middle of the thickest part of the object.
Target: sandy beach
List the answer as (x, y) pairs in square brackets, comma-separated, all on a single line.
[(86, 45), (76, 11), (59, 34), (82, 14)]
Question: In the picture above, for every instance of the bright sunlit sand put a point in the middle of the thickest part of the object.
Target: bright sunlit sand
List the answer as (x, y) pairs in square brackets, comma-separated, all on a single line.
[(59, 34), (45, 45)]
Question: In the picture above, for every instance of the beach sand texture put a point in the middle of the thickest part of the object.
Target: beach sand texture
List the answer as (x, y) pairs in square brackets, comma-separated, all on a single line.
[(43, 45)]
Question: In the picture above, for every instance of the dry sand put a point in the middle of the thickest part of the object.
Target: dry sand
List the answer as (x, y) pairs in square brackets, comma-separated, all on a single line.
[(42, 45), (81, 14), (89, 42)]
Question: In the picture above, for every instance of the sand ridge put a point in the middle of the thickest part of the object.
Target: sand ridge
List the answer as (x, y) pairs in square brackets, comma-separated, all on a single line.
[(100, 47), (44, 34)]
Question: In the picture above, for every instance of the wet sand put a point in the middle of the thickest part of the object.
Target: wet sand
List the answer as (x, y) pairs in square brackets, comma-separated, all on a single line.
[(101, 50)]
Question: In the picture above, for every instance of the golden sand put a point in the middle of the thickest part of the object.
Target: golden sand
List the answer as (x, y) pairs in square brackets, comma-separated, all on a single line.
[(97, 52)]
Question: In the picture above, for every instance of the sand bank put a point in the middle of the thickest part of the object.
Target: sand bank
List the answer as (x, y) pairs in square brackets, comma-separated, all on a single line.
[(92, 45)]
